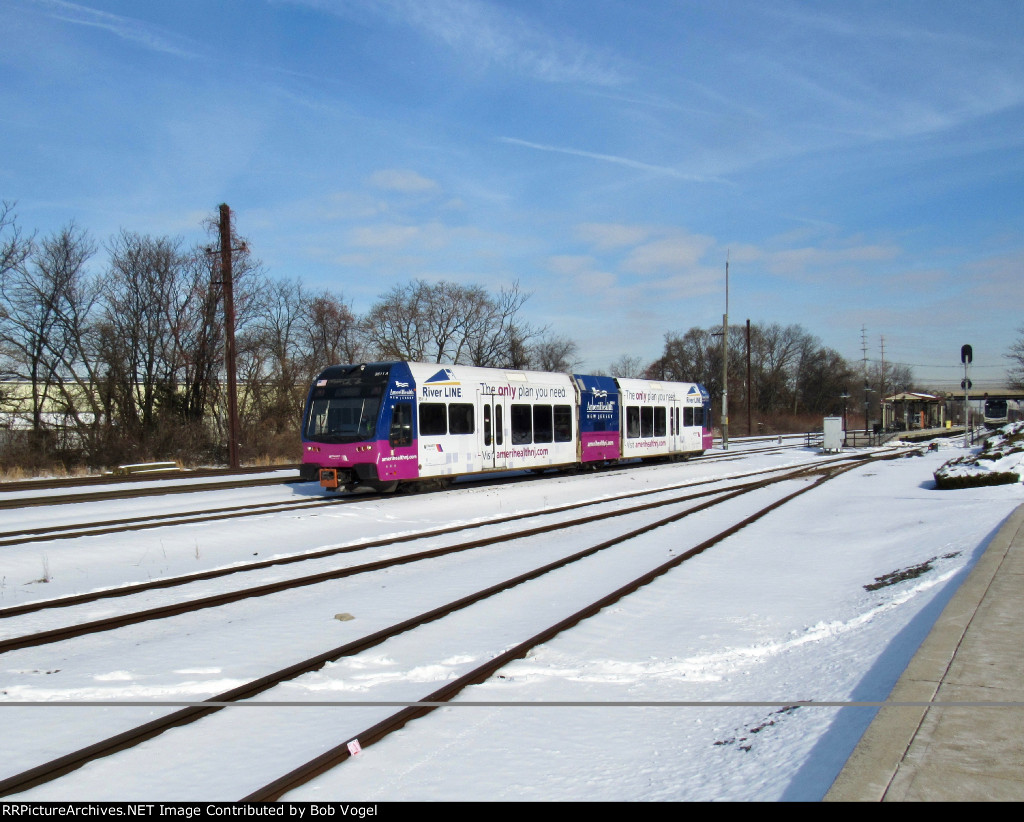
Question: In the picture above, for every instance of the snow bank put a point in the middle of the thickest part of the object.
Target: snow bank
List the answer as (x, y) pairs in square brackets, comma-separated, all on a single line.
[(999, 462)]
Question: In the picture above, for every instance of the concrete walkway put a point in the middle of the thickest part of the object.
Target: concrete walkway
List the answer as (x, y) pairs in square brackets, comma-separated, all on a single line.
[(975, 655)]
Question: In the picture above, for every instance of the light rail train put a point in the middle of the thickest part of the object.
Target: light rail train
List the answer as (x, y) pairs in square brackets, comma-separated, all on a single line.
[(1000, 412), (379, 425)]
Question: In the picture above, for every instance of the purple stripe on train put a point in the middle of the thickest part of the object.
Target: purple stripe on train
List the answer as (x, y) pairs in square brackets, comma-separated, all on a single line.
[(598, 446)]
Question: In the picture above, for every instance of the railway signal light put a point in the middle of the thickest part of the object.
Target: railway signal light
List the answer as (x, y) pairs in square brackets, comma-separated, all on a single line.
[(966, 356)]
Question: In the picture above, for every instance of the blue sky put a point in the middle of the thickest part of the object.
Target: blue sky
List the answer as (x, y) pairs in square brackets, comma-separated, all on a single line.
[(860, 163)]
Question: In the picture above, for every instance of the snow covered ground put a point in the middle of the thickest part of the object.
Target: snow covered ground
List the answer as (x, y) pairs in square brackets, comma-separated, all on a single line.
[(1001, 458), (824, 600)]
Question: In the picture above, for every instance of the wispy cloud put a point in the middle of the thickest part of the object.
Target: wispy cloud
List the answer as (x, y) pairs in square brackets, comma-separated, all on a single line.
[(404, 181), (679, 251), (429, 236), (664, 171), (847, 22), (141, 34), (491, 35), (812, 264), (612, 235)]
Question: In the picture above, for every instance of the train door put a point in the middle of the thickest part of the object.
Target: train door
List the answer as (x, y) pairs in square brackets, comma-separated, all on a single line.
[(492, 430), (676, 441)]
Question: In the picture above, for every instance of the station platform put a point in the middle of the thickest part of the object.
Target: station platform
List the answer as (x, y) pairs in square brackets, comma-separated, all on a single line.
[(973, 750), (925, 434)]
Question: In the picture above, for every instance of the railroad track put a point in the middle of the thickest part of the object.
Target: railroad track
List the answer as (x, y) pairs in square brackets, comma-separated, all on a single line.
[(149, 487), (201, 480), (149, 521), (289, 559), (59, 483), (821, 471), (125, 524)]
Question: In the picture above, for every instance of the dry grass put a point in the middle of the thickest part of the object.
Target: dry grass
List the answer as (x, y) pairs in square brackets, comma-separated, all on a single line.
[(17, 473)]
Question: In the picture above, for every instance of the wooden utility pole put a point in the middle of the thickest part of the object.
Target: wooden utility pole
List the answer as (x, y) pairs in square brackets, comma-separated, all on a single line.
[(229, 332), (725, 362), (749, 386)]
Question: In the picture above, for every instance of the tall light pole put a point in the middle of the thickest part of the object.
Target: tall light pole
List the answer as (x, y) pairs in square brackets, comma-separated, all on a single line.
[(725, 361)]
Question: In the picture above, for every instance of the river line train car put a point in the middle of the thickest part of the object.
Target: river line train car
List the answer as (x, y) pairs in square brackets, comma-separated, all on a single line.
[(377, 425), (999, 412)]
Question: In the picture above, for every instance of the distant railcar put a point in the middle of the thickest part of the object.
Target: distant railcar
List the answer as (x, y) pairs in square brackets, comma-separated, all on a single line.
[(379, 425), (1001, 412)]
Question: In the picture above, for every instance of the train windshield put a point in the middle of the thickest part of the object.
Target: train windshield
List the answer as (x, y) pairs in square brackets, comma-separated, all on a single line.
[(344, 410)]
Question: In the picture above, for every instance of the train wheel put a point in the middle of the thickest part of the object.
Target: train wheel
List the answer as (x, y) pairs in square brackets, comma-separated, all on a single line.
[(383, 487), (426, 486)]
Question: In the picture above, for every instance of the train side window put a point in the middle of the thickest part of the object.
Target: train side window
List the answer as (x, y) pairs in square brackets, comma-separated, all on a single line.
[(633, 421), (460, 418), (543, 430), (487, 424), (499, 425), (401, 425), (433, 419), (522, 424), (660, 417), (646, 421), (688, 417), (563, 423)]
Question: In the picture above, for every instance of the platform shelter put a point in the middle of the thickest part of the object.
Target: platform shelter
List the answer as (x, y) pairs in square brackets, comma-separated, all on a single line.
[(912, 410)]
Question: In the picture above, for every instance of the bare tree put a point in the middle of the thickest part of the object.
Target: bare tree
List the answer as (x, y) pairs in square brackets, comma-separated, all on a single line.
[(46, 304), (398, 324), (144, 291), (198, 333), (696, 356), (823, 379), (791, 372), (14, 246), (554, 354), (628, 367), (62, 258), (775, 358), (330, 332), (273, 359), (499, 338), (1015, 375), (448, 322)]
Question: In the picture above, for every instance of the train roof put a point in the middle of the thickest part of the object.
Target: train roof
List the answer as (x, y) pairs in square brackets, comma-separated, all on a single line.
[(436, 373), (681, 388)]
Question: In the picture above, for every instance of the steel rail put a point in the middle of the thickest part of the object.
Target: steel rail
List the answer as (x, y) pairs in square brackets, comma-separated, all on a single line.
[(49, 484), (56, 768), (185, 579), (116, 526), (375, 733), (226, 598), (133, 493)]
